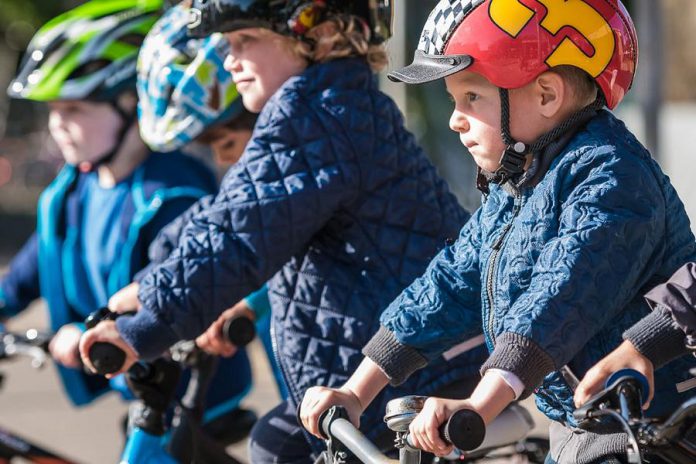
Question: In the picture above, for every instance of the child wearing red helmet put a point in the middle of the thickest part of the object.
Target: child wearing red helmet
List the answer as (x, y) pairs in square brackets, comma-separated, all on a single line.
[(577, 221)]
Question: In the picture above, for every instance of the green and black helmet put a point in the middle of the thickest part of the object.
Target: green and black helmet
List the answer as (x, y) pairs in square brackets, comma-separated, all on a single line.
[(87, 53)]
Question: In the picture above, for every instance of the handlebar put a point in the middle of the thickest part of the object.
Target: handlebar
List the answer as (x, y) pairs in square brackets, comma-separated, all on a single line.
[(465, 430), (621, 399), (624, 391), (32, 344), (240, 330), (108, 358)]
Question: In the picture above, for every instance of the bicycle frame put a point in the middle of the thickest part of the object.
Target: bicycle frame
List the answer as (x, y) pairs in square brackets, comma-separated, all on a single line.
[(13, 446)]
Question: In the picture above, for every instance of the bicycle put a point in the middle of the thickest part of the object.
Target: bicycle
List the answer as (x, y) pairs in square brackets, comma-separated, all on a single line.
[(154, 385), (672, 440), (505, 438), (33, 345)]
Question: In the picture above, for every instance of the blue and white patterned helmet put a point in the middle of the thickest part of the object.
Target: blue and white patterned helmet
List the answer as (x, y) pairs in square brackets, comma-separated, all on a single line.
[(183, 88)]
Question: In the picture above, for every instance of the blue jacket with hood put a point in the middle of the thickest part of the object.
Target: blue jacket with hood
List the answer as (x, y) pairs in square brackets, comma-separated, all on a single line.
[(76, 270), (554, 269), (337, 208)]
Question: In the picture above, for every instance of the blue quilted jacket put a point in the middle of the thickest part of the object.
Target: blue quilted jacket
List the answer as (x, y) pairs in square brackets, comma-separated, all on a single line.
[(336, 207), (557, 271)]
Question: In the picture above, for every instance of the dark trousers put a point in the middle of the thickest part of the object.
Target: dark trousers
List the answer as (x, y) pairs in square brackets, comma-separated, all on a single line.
[(278, 438)]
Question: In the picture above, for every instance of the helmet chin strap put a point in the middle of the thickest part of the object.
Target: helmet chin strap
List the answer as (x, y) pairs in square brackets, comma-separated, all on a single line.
[(514, 156), (127, 119)]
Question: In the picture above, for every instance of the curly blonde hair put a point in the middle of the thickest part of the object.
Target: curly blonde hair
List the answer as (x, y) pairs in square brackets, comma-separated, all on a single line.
[(342, 36)]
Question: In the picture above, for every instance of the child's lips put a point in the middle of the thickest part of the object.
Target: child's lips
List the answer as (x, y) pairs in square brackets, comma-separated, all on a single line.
[(469, 144), (243, 83)]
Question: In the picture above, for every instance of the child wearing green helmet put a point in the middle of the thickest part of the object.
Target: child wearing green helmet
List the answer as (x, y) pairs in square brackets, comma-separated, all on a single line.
[(112, 197)]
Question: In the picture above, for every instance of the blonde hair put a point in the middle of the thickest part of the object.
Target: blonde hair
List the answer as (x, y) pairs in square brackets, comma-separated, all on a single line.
[(583, 86), (342, 36)]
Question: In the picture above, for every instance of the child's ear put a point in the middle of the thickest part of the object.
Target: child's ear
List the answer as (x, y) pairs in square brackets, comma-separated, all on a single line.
[(551, 93)]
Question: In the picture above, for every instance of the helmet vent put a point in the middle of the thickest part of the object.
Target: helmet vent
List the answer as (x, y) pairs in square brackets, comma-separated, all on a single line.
[(132, 38), (214, 101), (90, 67)]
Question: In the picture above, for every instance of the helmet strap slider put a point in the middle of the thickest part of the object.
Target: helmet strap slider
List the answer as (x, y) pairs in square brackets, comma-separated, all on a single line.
[(512, 162)]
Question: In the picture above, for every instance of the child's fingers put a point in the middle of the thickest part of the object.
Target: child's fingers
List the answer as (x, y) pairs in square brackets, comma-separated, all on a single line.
[(439, 447), (590, 384), (419, 435), (310, 410)]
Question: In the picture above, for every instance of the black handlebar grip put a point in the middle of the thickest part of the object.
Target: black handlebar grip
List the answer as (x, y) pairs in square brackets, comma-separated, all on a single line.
[(106, 358), (239, 330), (465, 430)]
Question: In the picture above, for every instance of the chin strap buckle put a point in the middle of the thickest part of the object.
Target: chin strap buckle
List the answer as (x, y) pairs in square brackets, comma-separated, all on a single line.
[(511, 162)]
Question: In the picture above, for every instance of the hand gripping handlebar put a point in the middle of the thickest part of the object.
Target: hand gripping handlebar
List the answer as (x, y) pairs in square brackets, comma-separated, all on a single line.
[(108, 358)]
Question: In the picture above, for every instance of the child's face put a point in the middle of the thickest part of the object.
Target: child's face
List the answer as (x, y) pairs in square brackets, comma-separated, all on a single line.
[(228, 144), (260, 62), (84, 131), (476, 117)]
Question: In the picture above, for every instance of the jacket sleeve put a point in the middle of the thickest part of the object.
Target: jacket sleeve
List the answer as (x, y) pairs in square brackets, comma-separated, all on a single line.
[(678, 297), (436, 312), (294, 175), (665, 334), (167, 239), (658, 337), (20, 286), (611, 222)]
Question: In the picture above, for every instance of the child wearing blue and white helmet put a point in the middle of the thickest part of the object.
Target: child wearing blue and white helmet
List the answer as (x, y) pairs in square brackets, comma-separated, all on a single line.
[(185, 95)]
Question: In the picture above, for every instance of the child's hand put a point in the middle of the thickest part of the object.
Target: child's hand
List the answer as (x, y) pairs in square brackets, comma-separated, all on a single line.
[(489, 398), (625, 356), (125, 299), (64, 346), (213, 341), (106, 331), (319, 399), (424, 430)]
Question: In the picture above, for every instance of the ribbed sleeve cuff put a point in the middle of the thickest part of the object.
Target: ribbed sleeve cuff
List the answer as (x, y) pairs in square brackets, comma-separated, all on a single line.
[(396, 360), (522, 357), (657, 337), (146, 334)]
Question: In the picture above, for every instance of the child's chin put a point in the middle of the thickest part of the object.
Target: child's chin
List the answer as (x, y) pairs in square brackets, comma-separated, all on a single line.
[(253, 103), (485, 162)]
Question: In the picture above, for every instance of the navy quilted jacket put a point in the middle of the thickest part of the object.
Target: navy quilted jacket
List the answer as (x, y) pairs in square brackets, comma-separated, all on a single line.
[(333, 204), (557, 271)]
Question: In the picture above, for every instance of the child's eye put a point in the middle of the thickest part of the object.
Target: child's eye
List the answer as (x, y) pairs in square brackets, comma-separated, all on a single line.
[(471, 97), (242, 42), (72, 109)]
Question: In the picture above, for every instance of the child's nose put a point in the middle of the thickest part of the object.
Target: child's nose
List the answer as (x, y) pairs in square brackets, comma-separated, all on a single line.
[(458, 122), (56, 120), (231, 64)]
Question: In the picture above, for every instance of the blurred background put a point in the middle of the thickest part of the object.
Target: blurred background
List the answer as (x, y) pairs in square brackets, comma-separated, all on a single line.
[(661, 110)]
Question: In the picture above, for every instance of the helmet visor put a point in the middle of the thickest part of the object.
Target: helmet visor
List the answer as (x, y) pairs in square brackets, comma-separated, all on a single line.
[(427, 68)]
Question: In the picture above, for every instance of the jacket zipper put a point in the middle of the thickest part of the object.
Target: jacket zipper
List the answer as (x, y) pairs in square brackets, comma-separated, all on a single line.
[(492, 268), (274, 344)]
